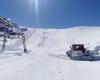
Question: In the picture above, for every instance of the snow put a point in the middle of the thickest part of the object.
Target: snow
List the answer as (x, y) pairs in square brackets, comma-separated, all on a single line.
[(47, 59)]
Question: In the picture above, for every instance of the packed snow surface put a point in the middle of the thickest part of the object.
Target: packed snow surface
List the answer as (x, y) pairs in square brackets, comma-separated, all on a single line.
[(47, 59)]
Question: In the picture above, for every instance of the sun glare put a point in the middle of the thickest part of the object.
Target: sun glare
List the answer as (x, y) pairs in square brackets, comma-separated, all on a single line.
[(34, 5)]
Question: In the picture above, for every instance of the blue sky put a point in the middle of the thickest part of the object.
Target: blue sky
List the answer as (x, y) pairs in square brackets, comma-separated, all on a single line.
[(52, 13)]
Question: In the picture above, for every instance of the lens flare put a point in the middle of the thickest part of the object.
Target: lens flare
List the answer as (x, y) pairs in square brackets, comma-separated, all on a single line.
[(34, 5)]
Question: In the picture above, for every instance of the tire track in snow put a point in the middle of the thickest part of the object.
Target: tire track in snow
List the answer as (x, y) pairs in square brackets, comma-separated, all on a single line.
[(60, 71), (71, 71), (58, 66)]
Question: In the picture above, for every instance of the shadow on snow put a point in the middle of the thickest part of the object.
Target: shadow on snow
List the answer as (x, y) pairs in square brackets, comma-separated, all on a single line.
[(77, 58)]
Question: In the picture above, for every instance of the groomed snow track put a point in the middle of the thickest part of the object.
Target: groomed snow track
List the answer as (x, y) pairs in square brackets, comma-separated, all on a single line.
[(47, 59)]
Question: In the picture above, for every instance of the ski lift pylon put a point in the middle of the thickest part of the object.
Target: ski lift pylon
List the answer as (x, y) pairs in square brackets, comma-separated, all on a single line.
[(11, 30)]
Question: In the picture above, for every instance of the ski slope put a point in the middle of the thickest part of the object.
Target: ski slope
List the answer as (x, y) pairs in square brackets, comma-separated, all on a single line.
[(46, 59)]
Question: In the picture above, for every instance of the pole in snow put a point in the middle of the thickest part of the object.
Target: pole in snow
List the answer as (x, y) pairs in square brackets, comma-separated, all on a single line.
[(24, 42)]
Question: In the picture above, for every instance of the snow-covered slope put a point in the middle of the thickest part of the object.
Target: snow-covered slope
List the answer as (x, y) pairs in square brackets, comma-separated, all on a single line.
[(46, 59)]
